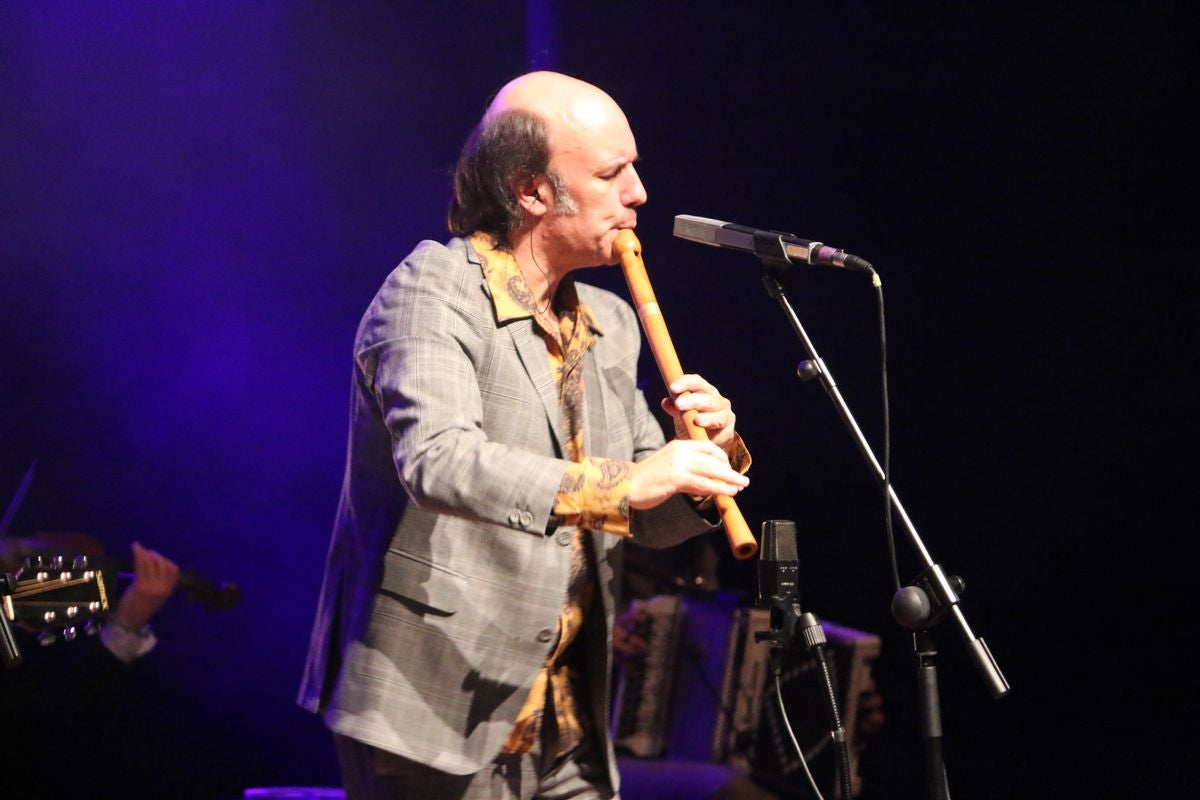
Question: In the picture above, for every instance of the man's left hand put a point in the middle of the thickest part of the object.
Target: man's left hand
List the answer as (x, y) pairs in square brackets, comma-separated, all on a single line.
[(714, 413)]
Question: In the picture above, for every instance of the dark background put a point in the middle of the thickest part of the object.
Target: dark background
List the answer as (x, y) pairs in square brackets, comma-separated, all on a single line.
[(197, 203)]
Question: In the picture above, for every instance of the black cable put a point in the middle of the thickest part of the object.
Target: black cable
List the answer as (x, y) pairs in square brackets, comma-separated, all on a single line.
[(788, 727), (887, 431)]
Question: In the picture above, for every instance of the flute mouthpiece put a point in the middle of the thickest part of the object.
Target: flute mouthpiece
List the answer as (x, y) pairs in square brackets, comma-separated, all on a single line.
[(626, 242)]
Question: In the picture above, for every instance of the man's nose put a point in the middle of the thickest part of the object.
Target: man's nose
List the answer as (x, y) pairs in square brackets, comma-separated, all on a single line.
[(635, 192)]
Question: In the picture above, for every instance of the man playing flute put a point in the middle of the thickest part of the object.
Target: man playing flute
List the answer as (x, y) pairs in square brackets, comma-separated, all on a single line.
[(499, 452)]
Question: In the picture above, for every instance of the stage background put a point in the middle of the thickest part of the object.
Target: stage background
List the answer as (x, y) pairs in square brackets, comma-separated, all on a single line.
[(198, 201)]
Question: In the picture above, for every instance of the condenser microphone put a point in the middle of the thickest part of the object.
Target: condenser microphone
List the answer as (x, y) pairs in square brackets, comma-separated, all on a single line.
[(778, 564), (766, 244)]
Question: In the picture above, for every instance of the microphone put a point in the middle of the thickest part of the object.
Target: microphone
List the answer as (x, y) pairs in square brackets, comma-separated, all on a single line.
[(778, 571), (779, 589), (769, 245)]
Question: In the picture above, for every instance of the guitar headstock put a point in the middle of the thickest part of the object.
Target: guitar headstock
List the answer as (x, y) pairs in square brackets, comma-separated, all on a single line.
[(55, 595)]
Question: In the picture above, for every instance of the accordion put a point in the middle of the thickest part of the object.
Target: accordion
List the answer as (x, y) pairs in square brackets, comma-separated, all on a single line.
[(703, 692)]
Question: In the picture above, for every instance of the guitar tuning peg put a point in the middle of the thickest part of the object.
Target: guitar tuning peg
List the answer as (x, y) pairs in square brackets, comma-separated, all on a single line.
[(56, 563), (79, 564), (70, 634), (91, 627), (47, 638)]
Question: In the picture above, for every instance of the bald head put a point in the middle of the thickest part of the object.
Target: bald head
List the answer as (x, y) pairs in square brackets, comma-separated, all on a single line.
[(569, 107)]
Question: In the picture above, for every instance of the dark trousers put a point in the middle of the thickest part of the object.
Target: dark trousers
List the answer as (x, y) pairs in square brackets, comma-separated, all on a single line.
[(373, 774)]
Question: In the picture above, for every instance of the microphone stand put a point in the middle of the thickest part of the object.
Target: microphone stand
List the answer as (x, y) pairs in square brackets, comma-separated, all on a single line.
[(789, 627), (802, 627), (10, 651), (940, 591)]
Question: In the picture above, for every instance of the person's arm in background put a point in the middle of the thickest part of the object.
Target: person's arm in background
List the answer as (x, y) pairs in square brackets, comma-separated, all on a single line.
[(127, 635)]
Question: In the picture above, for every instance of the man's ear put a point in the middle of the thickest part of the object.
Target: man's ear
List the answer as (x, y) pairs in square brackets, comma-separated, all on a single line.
[(532, 194)]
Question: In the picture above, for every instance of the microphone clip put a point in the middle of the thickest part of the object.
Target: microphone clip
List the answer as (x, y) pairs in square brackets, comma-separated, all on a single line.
[(771, 250), (791, 627)]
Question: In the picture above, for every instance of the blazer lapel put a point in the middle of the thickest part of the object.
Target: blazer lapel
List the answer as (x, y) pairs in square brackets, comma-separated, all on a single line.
[(532, 350), (594, 442)]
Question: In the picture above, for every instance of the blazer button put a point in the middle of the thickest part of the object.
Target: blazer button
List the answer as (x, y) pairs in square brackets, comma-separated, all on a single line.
[(514, 517), (526, 519), (563, 537), (544, 635)]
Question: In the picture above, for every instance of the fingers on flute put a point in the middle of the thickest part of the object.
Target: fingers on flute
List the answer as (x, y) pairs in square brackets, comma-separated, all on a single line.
[(712, 411), (691, 392), (691, 383), (692, 467)]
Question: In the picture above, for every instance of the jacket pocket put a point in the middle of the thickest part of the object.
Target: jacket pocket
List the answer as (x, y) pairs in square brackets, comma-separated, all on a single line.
[(410, 577)]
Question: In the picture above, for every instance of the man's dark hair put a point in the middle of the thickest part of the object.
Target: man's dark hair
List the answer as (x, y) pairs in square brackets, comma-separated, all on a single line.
[(510, 144)]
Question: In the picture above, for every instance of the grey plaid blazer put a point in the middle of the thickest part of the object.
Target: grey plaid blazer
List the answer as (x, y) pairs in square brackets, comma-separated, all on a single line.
[(445, 575)]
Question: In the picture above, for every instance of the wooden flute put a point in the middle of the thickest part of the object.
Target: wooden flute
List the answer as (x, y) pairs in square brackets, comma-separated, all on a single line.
[(628, 249)]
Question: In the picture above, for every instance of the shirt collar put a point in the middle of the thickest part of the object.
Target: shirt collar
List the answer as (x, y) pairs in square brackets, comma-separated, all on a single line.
[(511, 296)]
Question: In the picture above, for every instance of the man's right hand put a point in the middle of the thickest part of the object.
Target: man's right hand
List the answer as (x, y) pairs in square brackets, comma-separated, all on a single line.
[(684, 466)]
